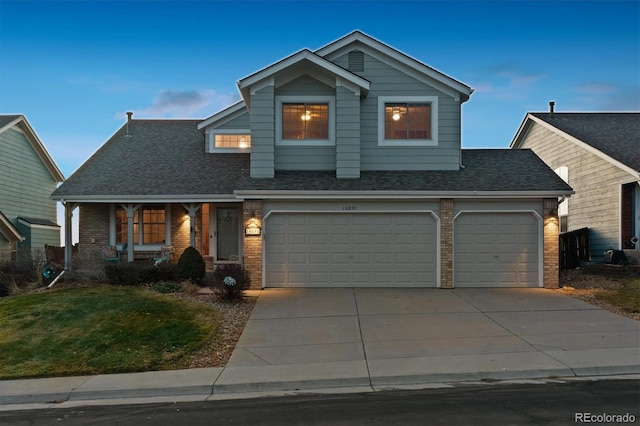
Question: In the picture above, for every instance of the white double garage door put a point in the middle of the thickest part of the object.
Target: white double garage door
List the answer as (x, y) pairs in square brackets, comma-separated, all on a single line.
[(399, 249)]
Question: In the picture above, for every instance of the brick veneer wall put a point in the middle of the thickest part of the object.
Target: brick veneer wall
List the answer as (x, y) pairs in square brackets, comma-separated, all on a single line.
[(253, 244), (179, 230), (93, 234), (551, 244), (446, 243)]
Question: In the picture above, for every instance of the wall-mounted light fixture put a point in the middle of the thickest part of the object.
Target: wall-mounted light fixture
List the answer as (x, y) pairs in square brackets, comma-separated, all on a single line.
[(252, 229)]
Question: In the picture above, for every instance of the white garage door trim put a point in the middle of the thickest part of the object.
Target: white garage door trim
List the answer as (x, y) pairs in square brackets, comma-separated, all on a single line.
[(538, 218), (265, 226)]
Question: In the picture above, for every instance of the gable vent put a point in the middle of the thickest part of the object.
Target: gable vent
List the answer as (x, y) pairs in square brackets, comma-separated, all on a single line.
[(356, 61)]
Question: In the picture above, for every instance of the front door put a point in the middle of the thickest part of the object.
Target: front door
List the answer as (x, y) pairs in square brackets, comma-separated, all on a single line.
[(226, 244)]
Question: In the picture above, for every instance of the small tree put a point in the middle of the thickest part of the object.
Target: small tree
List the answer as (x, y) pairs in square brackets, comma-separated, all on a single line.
[(191, 265)]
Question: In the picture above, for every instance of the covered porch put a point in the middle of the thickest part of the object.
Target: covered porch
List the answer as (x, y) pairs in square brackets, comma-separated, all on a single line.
[(138, 232)]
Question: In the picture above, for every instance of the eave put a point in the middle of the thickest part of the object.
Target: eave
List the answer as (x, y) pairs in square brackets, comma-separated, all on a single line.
[(282, 194), (266, 75), (8, 230)]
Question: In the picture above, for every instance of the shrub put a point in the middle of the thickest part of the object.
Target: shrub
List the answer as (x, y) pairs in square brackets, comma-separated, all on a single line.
[(136, 274), (230, 281), (191, 265), (167, 287)]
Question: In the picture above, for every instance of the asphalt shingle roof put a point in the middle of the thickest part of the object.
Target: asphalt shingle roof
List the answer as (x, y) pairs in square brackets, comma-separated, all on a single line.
[(167, 158), (6, 119), (616, 134), (157, 157)]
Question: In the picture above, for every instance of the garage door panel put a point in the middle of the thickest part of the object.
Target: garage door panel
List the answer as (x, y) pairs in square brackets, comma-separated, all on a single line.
[(351, 249), (496, 250)]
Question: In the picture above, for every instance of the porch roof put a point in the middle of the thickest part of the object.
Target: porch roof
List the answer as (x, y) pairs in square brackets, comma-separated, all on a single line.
[(153, 159)]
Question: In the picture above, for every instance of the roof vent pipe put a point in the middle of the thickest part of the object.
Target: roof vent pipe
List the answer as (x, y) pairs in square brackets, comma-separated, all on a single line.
[(552, 105), (129, 115)]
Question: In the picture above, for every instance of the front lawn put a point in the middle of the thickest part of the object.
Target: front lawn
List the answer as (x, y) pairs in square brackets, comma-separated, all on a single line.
[(627, 297), (100, 329)]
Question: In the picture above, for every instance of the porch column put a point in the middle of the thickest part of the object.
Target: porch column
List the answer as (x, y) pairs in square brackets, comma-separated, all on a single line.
[(131, 211), (68, 233), (192, 209)]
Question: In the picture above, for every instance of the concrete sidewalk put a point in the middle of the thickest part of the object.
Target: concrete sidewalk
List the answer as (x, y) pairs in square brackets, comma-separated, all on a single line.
[(299, 339)]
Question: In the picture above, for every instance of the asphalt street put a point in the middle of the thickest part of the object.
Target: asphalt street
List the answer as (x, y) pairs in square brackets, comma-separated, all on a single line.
[(578, 401)]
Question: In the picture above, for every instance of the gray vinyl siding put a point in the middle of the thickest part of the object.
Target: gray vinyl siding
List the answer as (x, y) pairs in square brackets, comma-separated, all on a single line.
[(35, 237), (25, 183), (241, 122), (305, 86), (262, 133), (388, 81), (347, 134), (596, 182), (305, 157)]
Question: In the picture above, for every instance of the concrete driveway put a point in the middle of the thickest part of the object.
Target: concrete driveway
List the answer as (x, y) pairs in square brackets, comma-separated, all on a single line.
[(312, 338)]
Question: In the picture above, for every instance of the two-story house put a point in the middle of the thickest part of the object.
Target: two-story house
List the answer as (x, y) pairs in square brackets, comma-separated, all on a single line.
[(341, 166), (28, 175), (598, 154)]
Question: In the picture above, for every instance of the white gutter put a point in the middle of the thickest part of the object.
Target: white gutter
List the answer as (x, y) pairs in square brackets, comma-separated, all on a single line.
[(271, 194)]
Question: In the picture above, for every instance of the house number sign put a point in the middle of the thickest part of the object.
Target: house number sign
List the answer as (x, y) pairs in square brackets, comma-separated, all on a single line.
[(349, 208)]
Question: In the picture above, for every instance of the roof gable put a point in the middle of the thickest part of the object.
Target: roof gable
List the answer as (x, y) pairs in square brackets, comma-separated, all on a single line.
[(305, 56), (20, 122), (409, 65), (614, 137)]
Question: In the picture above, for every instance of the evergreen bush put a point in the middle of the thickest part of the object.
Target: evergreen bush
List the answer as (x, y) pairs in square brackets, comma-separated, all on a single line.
[(191, 265)]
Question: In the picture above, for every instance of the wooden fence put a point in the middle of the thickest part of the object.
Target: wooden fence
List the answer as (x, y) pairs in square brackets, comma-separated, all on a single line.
[(574, 247)]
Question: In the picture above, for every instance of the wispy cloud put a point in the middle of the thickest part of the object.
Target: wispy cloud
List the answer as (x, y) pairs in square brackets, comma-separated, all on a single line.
[(184, 104), (603, 96), (507, 81)]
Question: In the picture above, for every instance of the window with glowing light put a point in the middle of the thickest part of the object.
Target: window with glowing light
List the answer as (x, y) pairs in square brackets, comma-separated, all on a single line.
[(305, 121), (150, 230), (232, 140), (409, 120)]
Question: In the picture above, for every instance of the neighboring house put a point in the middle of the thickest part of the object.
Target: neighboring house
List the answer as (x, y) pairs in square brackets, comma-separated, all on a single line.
[(598, 154), (28, 175), (339, 167)]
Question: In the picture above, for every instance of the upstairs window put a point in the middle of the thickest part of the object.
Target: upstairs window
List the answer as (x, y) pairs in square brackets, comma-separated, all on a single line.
[(407, 121), (230, 140), (241, 141), (305, 120)]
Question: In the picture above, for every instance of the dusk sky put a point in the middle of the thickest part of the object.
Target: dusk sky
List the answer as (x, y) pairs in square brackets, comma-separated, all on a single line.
[(75, 67)]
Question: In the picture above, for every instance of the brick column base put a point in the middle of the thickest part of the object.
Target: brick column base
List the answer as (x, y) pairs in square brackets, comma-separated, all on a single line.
[(446, 243), (253, 243), (551, 244)]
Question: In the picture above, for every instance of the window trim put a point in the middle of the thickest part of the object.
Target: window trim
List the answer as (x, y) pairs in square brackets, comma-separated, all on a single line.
[(432, 100), (142, 247), (212, 140), (329, 100)]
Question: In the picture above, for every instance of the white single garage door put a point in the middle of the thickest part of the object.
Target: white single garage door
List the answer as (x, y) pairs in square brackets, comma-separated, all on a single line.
[(496, 250), (350, 250)]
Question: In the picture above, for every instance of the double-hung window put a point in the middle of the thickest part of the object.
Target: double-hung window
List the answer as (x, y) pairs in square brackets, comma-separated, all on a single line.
[(305, 120), (149, 225), (407, 120)]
